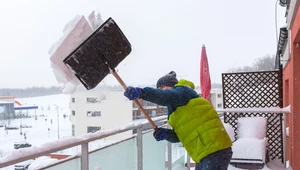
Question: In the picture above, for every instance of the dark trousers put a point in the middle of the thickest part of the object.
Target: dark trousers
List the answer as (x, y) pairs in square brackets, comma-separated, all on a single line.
[(216, 161)]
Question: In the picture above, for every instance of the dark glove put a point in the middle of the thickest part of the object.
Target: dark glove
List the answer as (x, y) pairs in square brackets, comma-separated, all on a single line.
[(162, 133), (133, 92), (165, 134)]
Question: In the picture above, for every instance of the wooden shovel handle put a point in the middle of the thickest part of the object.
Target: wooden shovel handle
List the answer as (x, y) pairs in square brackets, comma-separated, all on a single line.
[(116, 75)]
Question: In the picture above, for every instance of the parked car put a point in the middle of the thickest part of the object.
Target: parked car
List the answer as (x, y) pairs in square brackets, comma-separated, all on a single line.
[(11, 127), (23, 165), (25, 126), (21, 144)]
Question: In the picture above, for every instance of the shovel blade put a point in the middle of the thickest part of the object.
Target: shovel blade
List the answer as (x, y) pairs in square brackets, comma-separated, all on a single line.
[(103, 50)]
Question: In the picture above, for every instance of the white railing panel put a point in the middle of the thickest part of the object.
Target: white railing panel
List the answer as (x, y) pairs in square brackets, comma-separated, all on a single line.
[(73, 164), (178, 154), (115, 157), (153, 153)]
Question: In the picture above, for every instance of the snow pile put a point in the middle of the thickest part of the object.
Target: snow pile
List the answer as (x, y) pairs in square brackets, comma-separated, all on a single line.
[(66, 31), (251, 143), (252, 127), (249, 148), (74, 33), (276, 164), (41, 162)]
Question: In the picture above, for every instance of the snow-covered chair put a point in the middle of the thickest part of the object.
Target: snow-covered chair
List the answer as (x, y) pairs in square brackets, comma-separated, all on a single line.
[(250, 148)]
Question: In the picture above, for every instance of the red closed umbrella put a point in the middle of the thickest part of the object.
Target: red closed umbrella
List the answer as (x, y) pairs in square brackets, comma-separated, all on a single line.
[(205, 84)]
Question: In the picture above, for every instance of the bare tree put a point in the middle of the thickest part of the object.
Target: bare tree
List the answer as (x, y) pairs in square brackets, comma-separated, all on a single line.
[(241, 69), (264, 63)]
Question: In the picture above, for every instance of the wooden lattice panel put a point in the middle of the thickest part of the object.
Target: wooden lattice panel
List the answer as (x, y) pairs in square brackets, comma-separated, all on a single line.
[(255, 89)]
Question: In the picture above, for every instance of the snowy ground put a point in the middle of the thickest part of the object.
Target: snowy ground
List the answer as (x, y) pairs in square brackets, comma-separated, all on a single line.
[(42, 130)]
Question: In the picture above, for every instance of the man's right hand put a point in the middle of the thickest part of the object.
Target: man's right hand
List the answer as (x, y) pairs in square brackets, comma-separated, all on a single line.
[(161, 134), (133, 92)]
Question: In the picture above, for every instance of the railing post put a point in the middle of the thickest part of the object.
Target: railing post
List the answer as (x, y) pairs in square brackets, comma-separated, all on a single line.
[(188, 161), (284, 139), (84, 156), (140, 148), (169, 156), (169, 152)]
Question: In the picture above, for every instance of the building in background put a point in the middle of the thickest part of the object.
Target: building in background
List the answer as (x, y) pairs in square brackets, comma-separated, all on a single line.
[(216, 98), (94, 111), (151, 109), (7, 104)]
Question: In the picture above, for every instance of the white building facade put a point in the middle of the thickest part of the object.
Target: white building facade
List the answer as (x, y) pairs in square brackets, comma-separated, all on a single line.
[(216, 98), (7, 110), (94, 111)]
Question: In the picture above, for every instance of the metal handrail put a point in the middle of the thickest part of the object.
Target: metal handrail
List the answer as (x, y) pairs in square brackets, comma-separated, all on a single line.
[(257, 110), (65, 143)]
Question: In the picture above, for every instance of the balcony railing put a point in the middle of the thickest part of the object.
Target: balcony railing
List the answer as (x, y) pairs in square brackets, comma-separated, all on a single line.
[(137, 152), (140, 151)]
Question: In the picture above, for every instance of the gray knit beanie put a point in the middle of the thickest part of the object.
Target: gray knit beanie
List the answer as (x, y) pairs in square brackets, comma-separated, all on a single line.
[(167, 80)]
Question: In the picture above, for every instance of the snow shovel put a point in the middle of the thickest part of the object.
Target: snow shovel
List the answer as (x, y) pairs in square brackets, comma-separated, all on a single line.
[(99, 55)]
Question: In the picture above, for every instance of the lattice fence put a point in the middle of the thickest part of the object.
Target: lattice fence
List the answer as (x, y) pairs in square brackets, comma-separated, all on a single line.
[(256, 89)]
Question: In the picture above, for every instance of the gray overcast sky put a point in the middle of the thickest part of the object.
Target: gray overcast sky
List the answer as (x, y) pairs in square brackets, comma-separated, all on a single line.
[(165, 35)]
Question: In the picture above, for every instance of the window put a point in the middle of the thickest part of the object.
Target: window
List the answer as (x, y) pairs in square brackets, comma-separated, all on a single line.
[(73, 130), (73, 112), (219, 95), (93, 113), (73, 100), (92, 129), (92, 100), (219, 105)]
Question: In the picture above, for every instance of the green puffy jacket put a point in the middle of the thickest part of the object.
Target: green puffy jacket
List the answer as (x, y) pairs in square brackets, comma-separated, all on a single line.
[(194, 120), (199, 128)]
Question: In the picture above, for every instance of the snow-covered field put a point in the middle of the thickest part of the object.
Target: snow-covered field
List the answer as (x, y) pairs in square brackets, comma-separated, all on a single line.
[(51, 109)]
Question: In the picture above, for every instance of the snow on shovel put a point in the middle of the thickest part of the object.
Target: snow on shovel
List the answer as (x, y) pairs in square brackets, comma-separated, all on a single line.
[(99, 55)]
